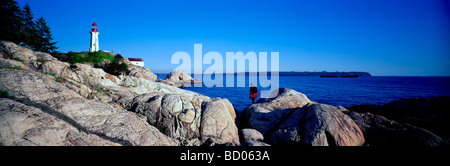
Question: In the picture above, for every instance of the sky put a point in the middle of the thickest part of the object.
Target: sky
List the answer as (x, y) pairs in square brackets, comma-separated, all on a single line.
[(382, 37)]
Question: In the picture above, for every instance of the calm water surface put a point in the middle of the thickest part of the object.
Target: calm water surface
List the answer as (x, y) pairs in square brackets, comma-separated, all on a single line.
[(339, 91)]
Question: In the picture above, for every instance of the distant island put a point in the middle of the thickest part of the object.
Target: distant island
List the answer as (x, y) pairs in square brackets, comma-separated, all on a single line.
[(323, 73), (315, 73)]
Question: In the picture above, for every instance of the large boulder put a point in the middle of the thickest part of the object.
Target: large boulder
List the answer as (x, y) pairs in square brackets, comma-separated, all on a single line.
[(283, 98), (11, 50), (193, 120), (380, 131), (28, 125), (177, 116), (217, 124), (250, 135), (261, 119), (318, 125), (141, 72), (291, 118), (12, 64), (416, 121), (178, 78), (266, 113), (141, 86), (428, 113)]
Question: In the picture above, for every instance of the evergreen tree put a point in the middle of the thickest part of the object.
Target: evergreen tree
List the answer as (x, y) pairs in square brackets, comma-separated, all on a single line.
[(11, 21), (19, 27), (44, 38), (29, 28)]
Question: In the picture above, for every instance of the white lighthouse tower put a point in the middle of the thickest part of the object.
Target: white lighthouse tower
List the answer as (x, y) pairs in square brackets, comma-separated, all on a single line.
[(94, 38)]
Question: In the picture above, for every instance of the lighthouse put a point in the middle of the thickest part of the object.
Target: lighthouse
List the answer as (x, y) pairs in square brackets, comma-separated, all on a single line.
[(94, 38)]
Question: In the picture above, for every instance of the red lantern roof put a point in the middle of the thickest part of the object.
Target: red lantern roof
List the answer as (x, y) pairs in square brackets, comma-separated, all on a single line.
[(94, 24), (136, 59)]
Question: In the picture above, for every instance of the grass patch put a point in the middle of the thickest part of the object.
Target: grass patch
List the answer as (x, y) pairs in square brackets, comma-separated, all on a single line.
[(41, 60), (103, 92), (95, 58), (52, 74), (17, 67), (18, 59), (91, 57), (5, 94), (13, 67), (59, 79)]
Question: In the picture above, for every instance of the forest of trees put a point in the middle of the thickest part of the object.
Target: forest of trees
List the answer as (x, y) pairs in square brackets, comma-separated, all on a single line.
[(19, 26)]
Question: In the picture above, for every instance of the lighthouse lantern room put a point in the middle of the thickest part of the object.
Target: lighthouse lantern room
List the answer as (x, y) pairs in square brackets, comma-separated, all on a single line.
[(94, 38)]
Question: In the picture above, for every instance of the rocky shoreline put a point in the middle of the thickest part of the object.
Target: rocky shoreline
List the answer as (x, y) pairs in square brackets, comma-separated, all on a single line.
[(48, 102)]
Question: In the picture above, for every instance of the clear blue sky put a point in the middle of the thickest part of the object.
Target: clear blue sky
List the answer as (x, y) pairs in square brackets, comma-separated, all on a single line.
[(383, 37)]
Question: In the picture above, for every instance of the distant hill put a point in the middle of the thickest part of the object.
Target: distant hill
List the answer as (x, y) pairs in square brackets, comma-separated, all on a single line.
[(306, 73), (322, 73)]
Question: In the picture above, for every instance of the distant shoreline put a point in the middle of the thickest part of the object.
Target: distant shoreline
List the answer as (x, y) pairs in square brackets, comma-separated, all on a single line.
[(312, 75), (304, 73)]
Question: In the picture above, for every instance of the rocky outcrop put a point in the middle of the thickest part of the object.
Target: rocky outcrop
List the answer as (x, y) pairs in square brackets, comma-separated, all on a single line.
[(12, 64), (217, 123), (416, 121), (318, 125), (266, 113), (20, 53), (296, 120), (301, 122), (89, 116), (75, 104), (380, 131), (27, 125), (84, 79), (190, 119), (177, 116), (283, 98), (134, 70), (430, 113), (141, 72), (49, 102), (251, 137), (179, 78)]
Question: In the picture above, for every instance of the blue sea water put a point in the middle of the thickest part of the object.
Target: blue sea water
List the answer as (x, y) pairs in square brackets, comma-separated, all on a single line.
[(346, 92)]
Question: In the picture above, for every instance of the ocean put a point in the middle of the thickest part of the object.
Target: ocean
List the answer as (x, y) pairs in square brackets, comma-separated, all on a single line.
[(346, 92)]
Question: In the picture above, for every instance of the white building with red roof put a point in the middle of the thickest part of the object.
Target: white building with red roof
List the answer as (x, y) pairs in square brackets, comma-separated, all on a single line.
[(137, 61)]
